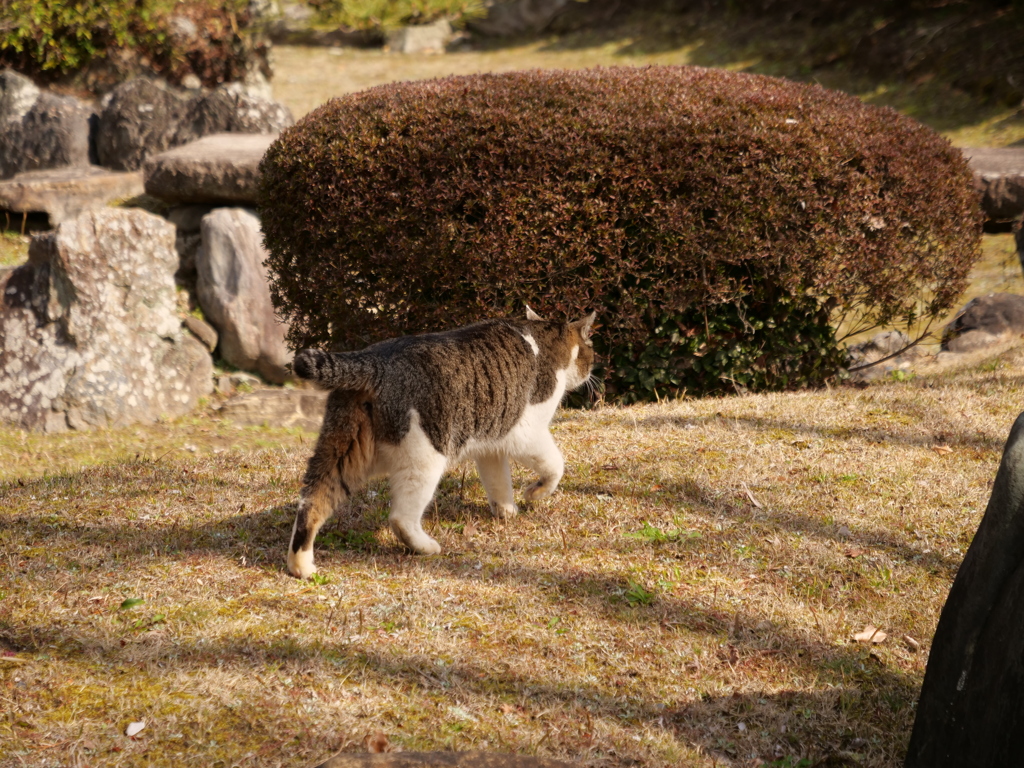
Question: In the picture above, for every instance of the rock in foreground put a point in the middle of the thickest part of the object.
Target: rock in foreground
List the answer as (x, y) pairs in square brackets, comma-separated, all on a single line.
[(89, 332), (971, 711)]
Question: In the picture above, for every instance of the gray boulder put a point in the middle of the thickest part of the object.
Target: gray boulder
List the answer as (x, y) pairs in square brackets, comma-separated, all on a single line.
[(54, 132), (88, 328), (187, 220), (984, 322), (231, 108), (222, 168), (884, 353), (17, 95), (234, 293), (971, 711), (999, 177), (139, 118), (516, 17), (421, 38), (142, 118)]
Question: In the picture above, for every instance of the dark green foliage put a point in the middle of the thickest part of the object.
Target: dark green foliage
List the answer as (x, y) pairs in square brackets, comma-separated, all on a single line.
[(97, 45), (720, 223)]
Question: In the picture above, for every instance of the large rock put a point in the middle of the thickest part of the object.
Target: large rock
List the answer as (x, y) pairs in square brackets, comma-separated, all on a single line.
[(232, 109), (222, 168), (999, 177), (884, 353), (971, 711), (89, 331), (421, 38), (53, 133), (63, 193), (17, 95), (140, 118), (984, 322), (516, 17), (234, 294)]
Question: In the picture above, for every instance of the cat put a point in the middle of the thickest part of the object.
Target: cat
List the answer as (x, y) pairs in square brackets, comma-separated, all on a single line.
[(413, 406)]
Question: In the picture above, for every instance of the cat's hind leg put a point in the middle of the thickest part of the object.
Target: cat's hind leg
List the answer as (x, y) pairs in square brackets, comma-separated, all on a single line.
[(416, 469), (339, 466), (544, 458), (497, 479)]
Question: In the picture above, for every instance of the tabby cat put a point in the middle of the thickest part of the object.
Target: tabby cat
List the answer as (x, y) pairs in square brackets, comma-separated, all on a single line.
[(411, 407)]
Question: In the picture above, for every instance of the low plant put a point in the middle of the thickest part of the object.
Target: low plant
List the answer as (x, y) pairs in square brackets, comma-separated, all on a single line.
[(723, 225), (100, 44)]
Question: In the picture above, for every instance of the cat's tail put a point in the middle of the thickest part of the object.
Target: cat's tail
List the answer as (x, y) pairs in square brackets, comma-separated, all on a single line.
[(334, 371)]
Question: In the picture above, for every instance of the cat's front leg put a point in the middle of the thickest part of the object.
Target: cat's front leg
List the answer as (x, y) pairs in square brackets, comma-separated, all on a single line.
[(546, 460), (497, 479), (412, 488)]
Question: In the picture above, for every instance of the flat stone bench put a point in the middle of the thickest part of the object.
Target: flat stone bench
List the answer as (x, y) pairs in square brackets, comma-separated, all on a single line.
[(999, 176), (63, 193), (222, 168)]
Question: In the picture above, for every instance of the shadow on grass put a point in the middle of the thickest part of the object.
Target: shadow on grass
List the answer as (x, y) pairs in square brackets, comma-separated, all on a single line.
[(867, 434), (867, 697)]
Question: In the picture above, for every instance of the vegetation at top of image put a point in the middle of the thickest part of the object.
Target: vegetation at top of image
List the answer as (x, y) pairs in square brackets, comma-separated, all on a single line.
[(967, 46), (382, 14), (723, 225), (97, 45)]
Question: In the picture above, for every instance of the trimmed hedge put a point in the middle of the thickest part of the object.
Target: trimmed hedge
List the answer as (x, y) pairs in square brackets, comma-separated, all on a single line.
[(98, 45), (721, 223)]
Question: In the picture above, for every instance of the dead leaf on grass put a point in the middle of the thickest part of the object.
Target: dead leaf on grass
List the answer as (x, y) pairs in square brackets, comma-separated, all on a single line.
[(942, 450), (377, 743), (750, 496), (912, 644), (855, 551), (469, 530), (134, 728), (870, 634)]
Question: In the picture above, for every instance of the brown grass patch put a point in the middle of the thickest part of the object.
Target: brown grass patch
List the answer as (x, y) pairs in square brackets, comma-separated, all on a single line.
[(689, 595)]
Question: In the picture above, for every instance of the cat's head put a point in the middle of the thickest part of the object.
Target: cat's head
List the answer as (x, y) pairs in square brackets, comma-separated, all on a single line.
[(575, 350)]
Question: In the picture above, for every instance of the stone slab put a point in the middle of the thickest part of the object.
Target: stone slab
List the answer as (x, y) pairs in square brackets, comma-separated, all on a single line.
[(440, 760), (63, 193), (303, 408), (999, 176), (420, 38), (222, 168)]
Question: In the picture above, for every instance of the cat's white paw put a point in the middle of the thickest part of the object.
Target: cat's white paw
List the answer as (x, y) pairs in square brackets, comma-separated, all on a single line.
[(537, 491), (300, 564), (416, 540), (504, 511)]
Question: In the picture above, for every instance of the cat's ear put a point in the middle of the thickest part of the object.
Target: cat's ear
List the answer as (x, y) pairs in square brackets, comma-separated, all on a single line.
[(530, 314), (586, 325)]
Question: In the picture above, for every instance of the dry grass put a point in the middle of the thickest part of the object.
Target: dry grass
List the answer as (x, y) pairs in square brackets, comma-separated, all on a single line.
[(688, 597)]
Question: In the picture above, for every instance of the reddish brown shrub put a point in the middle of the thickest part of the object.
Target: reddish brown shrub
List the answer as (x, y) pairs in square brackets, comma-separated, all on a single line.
[(719, 222)]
